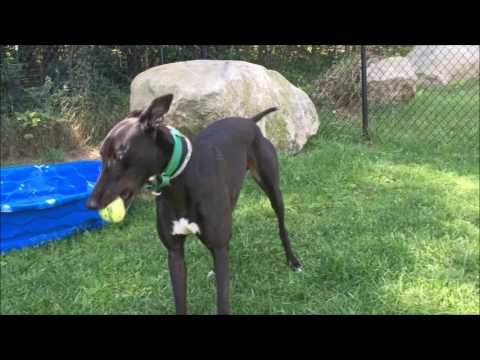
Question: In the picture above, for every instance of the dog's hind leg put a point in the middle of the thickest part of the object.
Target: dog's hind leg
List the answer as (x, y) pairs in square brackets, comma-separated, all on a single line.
[(263, 165)]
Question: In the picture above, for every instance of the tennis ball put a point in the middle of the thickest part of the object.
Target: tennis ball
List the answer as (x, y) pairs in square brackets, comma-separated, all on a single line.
[(113, 212)]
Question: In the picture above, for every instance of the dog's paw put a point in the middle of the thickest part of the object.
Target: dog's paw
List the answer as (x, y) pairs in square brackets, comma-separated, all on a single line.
[(295, 265), (210, 275)]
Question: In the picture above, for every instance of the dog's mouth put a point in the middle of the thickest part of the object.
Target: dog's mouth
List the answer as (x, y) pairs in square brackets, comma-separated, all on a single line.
[(127, 197)]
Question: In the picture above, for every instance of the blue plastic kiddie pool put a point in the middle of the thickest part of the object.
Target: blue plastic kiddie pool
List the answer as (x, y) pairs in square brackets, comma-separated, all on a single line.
[(39, 203)]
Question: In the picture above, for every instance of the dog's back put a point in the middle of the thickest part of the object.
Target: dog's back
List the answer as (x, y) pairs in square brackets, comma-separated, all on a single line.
[(239, 132), (230, 146)]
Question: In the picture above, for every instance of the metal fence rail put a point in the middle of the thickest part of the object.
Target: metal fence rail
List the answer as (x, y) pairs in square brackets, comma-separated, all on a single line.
[(430, 93)]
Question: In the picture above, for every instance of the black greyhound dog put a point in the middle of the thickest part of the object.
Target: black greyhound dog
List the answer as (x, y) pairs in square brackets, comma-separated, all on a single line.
[(201, 199)]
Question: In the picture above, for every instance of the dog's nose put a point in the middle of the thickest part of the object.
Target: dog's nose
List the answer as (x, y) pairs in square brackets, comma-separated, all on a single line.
[(92, 204)]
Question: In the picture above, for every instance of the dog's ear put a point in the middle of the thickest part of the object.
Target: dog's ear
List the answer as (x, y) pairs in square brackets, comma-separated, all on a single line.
[(154, 113)]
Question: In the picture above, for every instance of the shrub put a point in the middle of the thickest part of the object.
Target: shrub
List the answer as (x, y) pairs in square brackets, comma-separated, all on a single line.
[(340, 87)]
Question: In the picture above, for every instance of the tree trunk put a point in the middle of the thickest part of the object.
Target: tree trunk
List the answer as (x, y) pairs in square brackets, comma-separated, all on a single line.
[(133, 60), (203, 51), (162, 55), (262, 53), (2, 54), (31, 71), (49, 61)]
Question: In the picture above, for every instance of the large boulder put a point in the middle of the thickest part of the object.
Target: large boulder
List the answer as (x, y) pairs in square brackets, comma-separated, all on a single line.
[(391, 80), (443, 64), (208, 90)]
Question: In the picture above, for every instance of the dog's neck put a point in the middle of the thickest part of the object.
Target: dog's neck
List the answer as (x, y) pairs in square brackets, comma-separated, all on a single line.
[(177, 192), (166, 149)]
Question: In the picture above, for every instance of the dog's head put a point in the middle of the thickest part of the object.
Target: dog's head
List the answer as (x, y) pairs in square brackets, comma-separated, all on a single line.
[(136, 148)]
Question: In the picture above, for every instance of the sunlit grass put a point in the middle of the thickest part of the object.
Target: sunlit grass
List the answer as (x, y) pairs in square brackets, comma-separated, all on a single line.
[(377, 232)]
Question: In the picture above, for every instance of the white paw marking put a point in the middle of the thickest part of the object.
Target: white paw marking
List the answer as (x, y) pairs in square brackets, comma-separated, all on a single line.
[(210, 274), (184, 227), (299, 270)]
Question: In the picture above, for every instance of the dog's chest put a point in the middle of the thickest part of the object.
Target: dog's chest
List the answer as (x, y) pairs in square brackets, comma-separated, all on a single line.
[(183, 226)]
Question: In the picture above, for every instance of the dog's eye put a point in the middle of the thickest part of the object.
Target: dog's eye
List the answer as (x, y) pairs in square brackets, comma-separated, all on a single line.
[(121, 158), (120, 153)]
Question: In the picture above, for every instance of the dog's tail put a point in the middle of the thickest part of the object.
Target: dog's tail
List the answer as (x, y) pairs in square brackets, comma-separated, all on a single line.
[(258, 117)]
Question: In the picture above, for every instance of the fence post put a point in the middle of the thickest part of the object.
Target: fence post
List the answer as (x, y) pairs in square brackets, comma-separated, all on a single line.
[(365, 134), (162, 58)]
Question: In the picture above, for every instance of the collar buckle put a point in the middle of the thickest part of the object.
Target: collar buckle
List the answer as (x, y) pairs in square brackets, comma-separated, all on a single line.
[(173, 168)]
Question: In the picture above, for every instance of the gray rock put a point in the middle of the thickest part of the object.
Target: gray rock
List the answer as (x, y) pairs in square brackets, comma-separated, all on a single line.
[(208, 90), (443, 64), (391, 80)]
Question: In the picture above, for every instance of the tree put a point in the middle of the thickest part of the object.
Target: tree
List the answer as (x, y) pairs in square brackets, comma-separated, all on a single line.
[(203, 51)]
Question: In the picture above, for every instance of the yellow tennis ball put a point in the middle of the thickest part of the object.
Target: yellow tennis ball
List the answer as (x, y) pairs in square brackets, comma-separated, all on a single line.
[(113, 212)]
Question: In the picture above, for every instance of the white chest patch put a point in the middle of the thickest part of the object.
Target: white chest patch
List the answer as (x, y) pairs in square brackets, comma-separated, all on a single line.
[(184, 227)]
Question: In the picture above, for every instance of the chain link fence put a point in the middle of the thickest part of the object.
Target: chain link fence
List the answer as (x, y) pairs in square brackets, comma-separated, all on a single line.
[(427, 93), (419, 93)]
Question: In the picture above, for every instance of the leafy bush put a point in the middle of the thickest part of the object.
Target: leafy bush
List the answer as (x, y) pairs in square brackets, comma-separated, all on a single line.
[(29, 120), (54, 155)]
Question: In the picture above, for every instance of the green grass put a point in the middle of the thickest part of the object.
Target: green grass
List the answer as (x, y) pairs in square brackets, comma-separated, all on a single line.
[(378, 231), (391, 228)]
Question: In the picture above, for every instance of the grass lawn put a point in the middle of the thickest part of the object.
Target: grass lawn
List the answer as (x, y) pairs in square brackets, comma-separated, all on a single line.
[(386, 229)]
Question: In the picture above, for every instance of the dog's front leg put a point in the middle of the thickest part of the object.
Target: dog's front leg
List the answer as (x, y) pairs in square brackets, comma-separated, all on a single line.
[(178, 276), (220, 261), (216, 233), (175, 247)]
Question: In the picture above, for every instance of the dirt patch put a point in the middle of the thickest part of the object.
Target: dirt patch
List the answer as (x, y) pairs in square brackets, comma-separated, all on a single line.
[(78, 153), (85, 153)]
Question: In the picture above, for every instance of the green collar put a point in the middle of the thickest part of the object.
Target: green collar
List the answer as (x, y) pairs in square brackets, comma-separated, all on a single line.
[(163, 180)]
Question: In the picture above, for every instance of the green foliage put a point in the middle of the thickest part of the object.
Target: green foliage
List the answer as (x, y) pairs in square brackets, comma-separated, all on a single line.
[(32, 119), (53, 155)]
